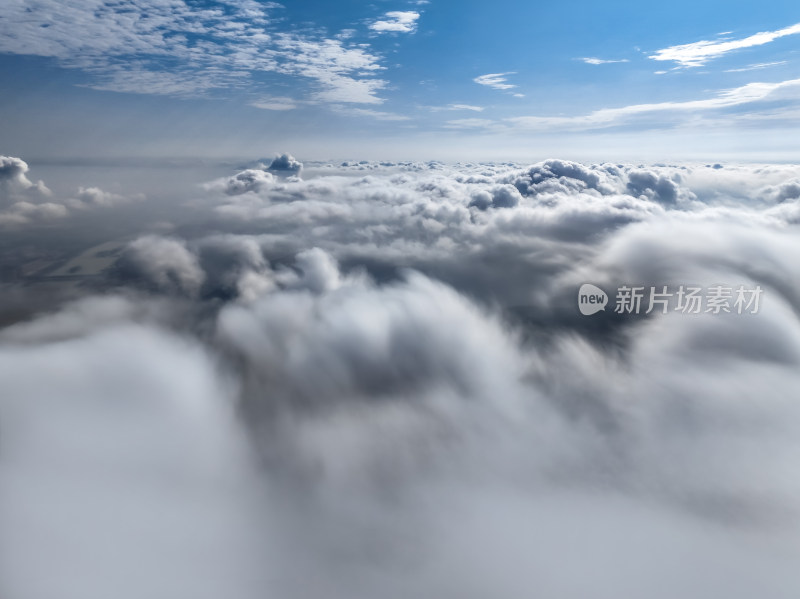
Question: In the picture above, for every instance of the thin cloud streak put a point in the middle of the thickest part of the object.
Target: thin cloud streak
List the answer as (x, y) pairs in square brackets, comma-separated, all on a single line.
[(598, 61), (757, 67), (607, 117), (699, 53), (497, 81)]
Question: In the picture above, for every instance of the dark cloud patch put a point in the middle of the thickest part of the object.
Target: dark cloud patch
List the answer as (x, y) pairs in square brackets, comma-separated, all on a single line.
[(12, 168), (553, 176), (655, 186), (500, 196), (286, 163), (789, 190)]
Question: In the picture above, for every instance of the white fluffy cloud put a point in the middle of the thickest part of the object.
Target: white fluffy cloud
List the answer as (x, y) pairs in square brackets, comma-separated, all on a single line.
[(396, 21), (21, 200)]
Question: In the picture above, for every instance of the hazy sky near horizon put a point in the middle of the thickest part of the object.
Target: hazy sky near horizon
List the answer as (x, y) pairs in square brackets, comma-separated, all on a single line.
[(399, 79)]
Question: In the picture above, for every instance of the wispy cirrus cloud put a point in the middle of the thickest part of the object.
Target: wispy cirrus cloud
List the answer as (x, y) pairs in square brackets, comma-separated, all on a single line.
[(757, 66), (497, 81), (465, 107), (275, 103), (338, 70), (457, 107), (609, 117), (396, 21), (469, 124), (699, 53), (379, 115)]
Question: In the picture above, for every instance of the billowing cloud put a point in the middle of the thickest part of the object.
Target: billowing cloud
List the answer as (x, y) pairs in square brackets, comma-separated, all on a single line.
[(164, 263), (242, 182), (501, 196), (375, 381), (286, 163), (15, 185), (656, 186)]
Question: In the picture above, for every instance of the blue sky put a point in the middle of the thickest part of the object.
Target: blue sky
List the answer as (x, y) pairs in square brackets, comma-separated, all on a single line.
[(394, 79)]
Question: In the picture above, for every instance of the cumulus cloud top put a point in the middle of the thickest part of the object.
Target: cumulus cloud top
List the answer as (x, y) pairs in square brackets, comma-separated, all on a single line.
[(247, 180), (286, 163), (14, 184)]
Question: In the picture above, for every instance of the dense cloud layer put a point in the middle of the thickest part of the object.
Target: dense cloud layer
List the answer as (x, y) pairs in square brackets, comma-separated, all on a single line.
[(375, 382)]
